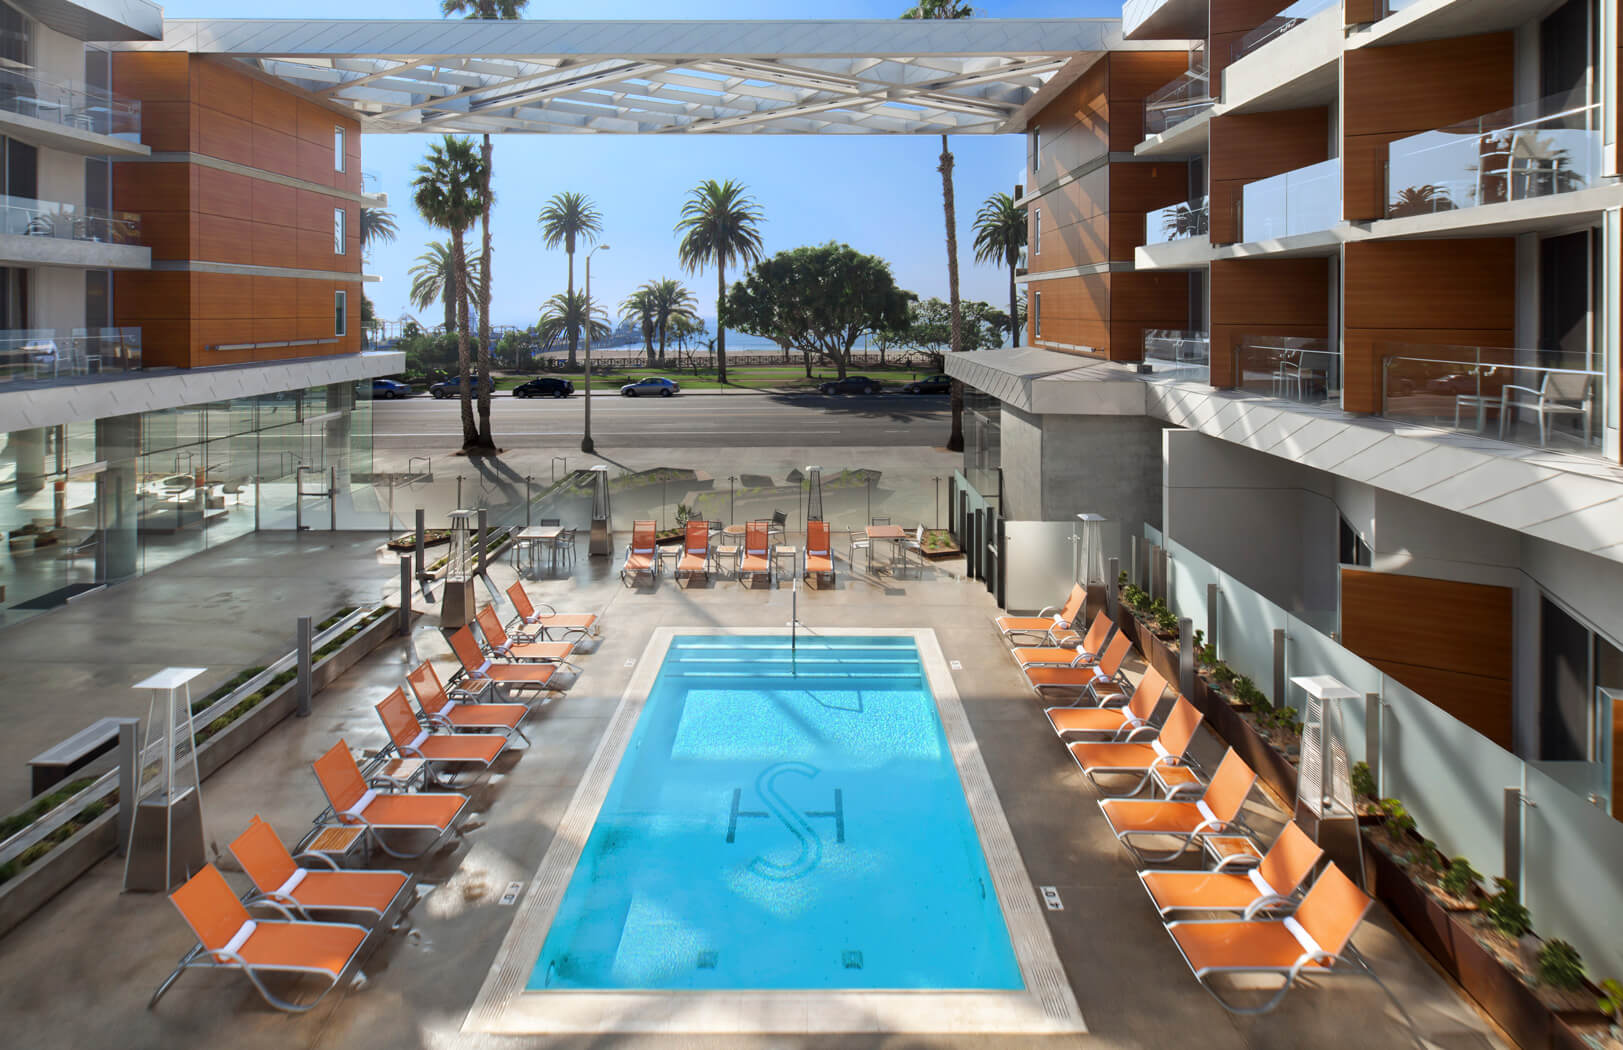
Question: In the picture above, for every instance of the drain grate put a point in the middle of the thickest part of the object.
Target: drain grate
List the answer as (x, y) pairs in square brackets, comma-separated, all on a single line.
[(708, 959), (851, 960)]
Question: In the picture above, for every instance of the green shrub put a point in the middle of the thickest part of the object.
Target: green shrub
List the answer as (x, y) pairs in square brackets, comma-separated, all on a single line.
[(1223, 674), (1398, 820), (41, 806), (1363, 781), (1611, 1001), (1560, 966), (1460, 880), (1505, 911), (1246, 691)]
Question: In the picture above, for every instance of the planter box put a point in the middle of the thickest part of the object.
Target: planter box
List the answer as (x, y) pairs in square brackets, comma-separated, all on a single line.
[(45, 878)]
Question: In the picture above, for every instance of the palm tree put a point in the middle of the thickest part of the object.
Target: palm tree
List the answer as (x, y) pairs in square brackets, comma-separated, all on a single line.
[(567, 219), (1420, 200), (377, 227), (639, 306), (567, 312), (1000, 237), (446, 193), (502, 10), (432, 280), (673, 304), (949, 9), (718, 226)]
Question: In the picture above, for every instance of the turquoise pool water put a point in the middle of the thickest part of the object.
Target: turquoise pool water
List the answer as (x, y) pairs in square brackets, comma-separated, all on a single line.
[(783, 821)]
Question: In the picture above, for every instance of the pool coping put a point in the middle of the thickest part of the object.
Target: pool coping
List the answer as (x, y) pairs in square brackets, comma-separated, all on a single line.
[(1046, 1005)]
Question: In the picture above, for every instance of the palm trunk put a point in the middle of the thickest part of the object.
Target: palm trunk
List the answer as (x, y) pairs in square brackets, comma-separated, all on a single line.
[(721, 326), (470, 432), (450, 303), (661, 344), (574, 332), (955, 440), (1014, 309), (486, 440), (648, 342)]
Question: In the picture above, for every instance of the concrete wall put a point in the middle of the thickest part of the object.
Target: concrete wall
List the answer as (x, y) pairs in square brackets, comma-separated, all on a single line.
[(1058, 466)]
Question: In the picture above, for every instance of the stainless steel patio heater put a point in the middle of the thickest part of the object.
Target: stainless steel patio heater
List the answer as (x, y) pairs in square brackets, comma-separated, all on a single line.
[(166, 833), (814, 494), (457, 607), (1090, 570), (601, 541)]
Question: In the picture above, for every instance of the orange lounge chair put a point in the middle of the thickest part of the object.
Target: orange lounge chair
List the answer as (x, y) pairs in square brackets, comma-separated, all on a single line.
[(476, 666), (499, 644), (1269, 887), (642, 553), (695, 560), (1115, 722), (1140, 758), (411, 740), (229, 938), (279, 881), (1099, 684), (355, 804), (545, 623), (1316, 940), (1214, 813), (819, 552), (1082, 652), (442, 711), (1046, 622), (757, 557)]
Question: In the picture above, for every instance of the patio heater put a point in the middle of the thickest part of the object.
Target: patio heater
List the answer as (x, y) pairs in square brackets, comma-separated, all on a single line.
[(457, 607), (1089, 570), (1324, 783), (601, 542), (166, 832), (814, 494)]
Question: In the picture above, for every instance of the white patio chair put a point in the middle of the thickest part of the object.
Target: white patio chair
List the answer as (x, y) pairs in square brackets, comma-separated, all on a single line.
[(1560, 394)]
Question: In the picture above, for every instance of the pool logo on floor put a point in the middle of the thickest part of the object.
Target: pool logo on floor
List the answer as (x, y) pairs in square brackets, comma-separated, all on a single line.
[(798, 823)]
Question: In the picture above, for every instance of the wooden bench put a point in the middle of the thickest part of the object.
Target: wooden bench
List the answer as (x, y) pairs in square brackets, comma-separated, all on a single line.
[(51, 767)]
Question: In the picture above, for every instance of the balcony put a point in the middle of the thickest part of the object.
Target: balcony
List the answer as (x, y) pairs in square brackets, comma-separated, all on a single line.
[(1171, 354), (58, 355), (68, 115), (1538, 149), (1307, 200), (50, 233), (1176, 222), (1183, 99), (1277, 26), (1307, 371), (1495, 392)]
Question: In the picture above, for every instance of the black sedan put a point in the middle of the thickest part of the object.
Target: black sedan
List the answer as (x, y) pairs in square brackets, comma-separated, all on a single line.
[(546, 386), (929, 385), (851, 385)]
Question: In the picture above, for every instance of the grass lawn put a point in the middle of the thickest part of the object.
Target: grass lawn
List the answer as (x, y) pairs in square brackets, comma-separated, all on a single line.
[(754, 377)]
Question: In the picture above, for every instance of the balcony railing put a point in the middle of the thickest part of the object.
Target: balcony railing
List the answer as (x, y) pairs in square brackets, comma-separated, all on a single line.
[(1277, 26), (1176, 222), (26, 217), (1184, 354), (1288, 367), (1184, 98), (55, 354), (1533, 150), (32, 94), (1496, 392), (1306, 200)]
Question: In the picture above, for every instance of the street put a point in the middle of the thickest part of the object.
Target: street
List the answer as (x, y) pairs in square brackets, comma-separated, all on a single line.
[(684, 421)]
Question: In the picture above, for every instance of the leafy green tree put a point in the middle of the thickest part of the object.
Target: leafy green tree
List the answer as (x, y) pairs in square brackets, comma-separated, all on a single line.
[(929, 328), (819, 299), (433, 280), (568, 219), (446, 193), (720, 226), (567, 312), (639, 307), (672, 302), (1000, 237)]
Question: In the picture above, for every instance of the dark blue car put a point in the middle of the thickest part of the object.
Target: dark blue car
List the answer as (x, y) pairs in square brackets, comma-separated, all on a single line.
[(389, 389)]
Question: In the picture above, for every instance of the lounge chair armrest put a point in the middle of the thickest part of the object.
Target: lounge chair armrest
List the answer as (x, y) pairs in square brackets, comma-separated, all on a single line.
[(1049, 610), (550, 611), (1137, 733), (1504, 391), (267, 901), (322, 857), (1307, 959), (1268, 902), (439, 722)]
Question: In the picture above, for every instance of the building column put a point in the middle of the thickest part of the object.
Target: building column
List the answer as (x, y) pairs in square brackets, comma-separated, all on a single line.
[(28, 449), (118, 444)]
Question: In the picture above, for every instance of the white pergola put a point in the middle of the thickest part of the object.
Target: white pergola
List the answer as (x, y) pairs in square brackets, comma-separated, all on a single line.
[(974, 76)]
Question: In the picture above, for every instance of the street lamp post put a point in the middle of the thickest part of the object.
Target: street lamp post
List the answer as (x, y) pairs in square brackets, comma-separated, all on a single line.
[(586, 441)]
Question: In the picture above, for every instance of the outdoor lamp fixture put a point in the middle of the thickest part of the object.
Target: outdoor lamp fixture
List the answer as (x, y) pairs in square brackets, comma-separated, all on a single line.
[(586, 441)]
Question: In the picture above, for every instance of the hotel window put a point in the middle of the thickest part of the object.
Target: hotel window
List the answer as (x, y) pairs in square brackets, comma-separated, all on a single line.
[(15, 37), (338, 231), (1037, 231), (1036, 149), (340, 302), (337, 149), (1037, 314)]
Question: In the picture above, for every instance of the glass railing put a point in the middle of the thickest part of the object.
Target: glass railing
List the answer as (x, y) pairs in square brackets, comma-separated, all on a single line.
[(1178, 354), (1496, 392), (1184, 98), (1288, 367), (1277, 26), (1533, 150), (1306, 200), (26, 217), (54, 354), (32, 94), (1176, 222)]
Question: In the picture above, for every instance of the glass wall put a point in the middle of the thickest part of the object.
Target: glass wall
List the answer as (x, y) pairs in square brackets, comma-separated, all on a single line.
[(91, 503), (983, 442)]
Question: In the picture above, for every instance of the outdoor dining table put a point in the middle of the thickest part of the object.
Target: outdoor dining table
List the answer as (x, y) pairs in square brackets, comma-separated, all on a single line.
[(534, 536), (893, 534)]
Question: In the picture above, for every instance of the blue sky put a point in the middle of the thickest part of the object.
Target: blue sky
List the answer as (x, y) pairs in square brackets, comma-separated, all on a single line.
[(879, 194)]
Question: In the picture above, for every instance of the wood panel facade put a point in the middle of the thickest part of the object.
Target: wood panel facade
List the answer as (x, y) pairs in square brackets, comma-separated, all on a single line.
[(1246, 147), (1453, 292), (270, 206), (1450, 642), (1231, 20), (1393, 92), (1265, 297)]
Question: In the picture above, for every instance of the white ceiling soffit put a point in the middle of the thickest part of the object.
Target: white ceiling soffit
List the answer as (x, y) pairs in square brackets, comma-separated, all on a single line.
[(796, 77)]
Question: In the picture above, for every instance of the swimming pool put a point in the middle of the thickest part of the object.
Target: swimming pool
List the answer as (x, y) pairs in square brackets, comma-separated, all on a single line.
[(782, 819)]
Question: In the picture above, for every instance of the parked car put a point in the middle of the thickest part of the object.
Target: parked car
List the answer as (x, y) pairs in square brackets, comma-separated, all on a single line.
[(929, 385), (389, 389), (546, 386), (851, 385), (453, 387), (651, 386)]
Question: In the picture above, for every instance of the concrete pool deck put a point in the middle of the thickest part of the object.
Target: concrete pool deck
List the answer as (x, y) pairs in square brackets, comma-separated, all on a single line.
[(79, 973)]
